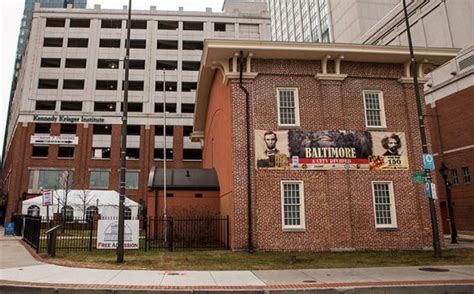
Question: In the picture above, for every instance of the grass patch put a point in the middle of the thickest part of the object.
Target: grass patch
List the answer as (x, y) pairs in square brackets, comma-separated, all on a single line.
[(228, 260)]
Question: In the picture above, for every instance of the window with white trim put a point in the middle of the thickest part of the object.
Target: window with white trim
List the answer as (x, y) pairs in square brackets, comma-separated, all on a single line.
[(466, 175), (374, 109), (288, 107), (292, 205), (384, 205), (454, 176)]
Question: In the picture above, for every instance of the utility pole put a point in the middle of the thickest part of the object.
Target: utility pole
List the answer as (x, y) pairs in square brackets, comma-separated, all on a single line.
[(424, 144), (123, 146), (164, 154)]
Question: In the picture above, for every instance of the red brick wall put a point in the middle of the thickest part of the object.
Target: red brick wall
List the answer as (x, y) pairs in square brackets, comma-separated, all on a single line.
[(338, 204), (19, 160), (184, 203), (453, 115)]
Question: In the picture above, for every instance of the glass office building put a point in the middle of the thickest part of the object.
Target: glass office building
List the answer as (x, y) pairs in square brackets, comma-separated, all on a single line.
[(299, 20)]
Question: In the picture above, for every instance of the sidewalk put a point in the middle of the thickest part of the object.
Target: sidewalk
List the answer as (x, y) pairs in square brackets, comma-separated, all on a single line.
[(19, 271)]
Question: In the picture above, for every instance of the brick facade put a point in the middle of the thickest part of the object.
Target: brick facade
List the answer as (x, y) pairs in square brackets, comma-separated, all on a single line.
[(21, 162), (339, 209), (453, 143)]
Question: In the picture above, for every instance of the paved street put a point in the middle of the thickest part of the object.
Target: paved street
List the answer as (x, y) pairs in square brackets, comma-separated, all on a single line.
[(19, 268)]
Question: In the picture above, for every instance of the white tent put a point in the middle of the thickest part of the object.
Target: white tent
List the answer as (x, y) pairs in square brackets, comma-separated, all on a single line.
[(107, 203)]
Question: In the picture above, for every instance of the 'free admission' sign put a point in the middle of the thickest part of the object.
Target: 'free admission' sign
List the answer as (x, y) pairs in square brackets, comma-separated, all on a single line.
[(107, 234)]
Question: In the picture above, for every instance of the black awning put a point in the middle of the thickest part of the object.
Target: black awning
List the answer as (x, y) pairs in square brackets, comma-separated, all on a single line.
[(184, 179)]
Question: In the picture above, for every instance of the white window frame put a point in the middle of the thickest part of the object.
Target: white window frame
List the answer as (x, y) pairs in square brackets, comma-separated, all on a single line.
[(302, 225), (297, 107), (466, 174), (393, 211), (454, 176), (383, 122)]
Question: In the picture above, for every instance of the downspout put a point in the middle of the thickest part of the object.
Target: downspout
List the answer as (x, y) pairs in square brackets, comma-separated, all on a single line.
[(249, 184)]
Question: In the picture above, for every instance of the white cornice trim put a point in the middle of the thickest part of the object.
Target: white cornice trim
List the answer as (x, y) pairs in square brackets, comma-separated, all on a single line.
[(330, 77), (410, 80), (236, 75), (459, 149)]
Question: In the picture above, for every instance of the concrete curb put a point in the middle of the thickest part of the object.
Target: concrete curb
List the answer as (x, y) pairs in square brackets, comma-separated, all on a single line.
[(431, 289), (439, 284)]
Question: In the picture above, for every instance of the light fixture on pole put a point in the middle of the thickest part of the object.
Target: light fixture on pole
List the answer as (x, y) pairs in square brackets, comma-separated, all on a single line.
[(424, 143), (444, 171), (123, 145)]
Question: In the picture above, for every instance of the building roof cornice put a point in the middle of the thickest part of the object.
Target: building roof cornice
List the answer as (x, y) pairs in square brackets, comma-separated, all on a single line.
[(222, 55)]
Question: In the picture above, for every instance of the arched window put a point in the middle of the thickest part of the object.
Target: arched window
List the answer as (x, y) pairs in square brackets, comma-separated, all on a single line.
[(68, 213), (127, 213), (34, 210), (91, 211)]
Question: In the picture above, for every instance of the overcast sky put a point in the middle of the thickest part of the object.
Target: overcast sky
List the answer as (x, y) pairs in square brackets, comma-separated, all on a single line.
[(12, 10)]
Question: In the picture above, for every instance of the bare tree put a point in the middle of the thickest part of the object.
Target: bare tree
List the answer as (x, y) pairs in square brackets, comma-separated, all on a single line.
[(85, 196), (65, 183)]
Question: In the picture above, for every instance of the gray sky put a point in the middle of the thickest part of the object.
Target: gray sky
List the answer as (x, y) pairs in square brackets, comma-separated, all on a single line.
[(12, 10)]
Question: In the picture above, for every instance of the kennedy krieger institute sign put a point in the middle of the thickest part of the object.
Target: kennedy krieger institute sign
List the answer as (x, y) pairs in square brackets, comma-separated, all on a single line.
[(330, 150), (68, 118)]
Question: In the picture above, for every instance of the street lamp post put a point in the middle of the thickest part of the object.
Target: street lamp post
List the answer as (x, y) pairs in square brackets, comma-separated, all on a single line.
[(123, 146), (424, 143), (443, 170), (164, 149)]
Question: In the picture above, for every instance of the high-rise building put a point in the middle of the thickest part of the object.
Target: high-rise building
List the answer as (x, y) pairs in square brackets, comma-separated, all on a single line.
[(341, 21), (24, 34), (27, 17), (66, 113)]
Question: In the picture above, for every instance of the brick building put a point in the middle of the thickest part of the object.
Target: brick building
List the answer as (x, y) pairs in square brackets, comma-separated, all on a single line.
[(449, 104), (65, 117), (314, 170)]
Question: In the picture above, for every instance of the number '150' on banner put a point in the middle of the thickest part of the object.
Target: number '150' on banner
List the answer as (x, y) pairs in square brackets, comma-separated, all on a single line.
[(330, 150)]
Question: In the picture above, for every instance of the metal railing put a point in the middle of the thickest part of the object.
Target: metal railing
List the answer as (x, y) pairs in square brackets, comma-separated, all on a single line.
[(173, 233), (31, 233)]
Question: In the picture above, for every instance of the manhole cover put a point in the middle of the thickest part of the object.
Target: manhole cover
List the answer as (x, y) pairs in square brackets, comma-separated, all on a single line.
[(309, 281), (433, 269)]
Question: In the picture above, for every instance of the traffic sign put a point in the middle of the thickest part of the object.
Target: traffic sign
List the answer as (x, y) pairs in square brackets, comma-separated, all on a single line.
[(427, 188), (47, 197), (433, 191), (419, 176), (428, 161), (430, 190)]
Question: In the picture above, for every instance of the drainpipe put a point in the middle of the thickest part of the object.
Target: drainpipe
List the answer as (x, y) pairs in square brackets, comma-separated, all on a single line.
[(249, 168)]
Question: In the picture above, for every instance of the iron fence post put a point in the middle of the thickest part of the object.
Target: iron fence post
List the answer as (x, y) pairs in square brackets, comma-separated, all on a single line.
[(37, 235), (90, 232), (227, 246), (145, 225), (170, 234)]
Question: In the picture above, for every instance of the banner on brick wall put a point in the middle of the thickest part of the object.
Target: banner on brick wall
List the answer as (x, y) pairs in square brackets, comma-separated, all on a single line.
[(330, 150)]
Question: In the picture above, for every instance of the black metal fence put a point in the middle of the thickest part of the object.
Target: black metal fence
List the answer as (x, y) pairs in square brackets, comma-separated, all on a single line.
[(206, 233), (31, 233)]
